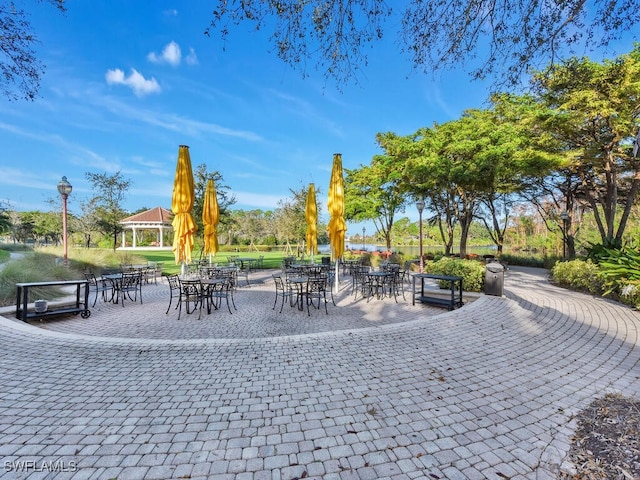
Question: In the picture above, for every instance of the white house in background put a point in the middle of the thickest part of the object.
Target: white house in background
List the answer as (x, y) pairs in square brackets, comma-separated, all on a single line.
[(158, 219)]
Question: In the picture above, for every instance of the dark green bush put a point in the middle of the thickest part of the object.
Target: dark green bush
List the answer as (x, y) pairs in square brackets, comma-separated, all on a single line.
[(471, 271)]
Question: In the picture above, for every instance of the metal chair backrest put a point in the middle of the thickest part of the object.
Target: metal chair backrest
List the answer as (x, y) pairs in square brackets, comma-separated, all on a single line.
[(279, 282), (174, 281), (91, 278)]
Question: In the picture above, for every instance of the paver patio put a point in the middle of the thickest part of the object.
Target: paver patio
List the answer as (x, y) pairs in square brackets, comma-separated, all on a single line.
[(372, 390)]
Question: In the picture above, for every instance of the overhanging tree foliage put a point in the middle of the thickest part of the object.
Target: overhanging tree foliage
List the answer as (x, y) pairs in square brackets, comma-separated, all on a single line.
[(491, 37), (20, 69)]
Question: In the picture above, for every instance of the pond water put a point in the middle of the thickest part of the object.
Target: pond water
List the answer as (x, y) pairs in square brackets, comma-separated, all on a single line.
[(414, 250)]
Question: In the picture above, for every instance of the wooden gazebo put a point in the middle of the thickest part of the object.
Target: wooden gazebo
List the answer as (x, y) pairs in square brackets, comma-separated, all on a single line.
[(155, 219)]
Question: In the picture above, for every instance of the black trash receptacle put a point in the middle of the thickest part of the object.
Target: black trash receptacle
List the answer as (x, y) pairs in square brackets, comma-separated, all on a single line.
[(494, 279)]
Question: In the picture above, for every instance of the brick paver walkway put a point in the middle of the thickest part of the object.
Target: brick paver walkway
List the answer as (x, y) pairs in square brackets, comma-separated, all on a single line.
[(373, 390)]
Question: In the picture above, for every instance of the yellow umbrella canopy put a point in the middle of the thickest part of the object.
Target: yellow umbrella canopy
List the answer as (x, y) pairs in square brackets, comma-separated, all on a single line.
[(210, 215), (337, 226), (311, 216), (181, 204)]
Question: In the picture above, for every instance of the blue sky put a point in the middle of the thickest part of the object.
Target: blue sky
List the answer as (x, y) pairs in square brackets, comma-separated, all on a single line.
[(127, 82)]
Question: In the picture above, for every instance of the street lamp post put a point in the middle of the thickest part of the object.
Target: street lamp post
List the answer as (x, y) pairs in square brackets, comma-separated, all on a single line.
[(565, 219), (420, 205), (64, 187), (363, 241)]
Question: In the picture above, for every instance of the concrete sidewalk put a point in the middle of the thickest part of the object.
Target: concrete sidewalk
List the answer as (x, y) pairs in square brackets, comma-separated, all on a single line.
[(372, 390)]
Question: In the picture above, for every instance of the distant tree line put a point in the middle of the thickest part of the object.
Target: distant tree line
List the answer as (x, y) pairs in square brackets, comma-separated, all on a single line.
[(96, 220)]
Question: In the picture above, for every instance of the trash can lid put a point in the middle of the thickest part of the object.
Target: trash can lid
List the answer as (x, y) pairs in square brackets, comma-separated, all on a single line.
[(495, 267)]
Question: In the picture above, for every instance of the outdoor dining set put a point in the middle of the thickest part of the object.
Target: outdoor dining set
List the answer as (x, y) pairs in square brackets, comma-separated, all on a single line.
[(124, 283), (211, 287), (205, 288), (304, 284), (386, 281)]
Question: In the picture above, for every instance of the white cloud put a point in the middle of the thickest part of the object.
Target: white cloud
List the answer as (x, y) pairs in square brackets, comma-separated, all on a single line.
[(192, 58), (136, 81), (171, 54)]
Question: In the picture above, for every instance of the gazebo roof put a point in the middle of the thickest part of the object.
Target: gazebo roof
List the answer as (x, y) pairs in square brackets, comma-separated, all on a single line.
[(154, 216)]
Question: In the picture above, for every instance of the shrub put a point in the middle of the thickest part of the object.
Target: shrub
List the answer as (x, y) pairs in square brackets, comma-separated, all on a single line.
[(579, 275), (620, 270), (471, 271), (539, 261)]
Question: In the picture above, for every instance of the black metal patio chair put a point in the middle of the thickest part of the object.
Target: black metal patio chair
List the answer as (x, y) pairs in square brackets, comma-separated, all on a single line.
[(174, 290), (99, 286), (282, 291)]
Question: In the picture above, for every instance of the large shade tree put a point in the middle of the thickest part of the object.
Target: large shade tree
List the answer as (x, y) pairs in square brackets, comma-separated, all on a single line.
[(518, 153), (471, 167), (488, 36), (375, 192), (416, 156), (460, 168), (596, 115)]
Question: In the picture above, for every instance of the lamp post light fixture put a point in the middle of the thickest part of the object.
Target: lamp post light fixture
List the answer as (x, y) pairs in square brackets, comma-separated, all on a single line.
[(565, 220), (363, 234), (420, 205), (64, 187)]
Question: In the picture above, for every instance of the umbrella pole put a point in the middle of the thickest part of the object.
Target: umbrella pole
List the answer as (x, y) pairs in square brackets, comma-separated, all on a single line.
[(336, 280)]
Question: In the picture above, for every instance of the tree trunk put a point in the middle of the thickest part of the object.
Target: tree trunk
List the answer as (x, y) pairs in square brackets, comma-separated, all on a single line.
[(387, 238), (571, 247), (465, 225)]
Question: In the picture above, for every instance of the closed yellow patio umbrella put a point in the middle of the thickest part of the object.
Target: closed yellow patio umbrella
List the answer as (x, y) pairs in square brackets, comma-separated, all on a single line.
[(311, 216), (181, 204), (210, 215), (337, 226)]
